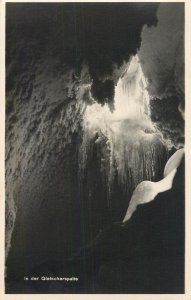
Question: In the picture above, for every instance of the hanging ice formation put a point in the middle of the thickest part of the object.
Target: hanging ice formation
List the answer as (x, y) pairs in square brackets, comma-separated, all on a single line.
[(127, 138)]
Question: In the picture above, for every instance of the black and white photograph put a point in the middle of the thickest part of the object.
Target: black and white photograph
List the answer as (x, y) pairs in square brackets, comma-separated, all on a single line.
[(94, 148)]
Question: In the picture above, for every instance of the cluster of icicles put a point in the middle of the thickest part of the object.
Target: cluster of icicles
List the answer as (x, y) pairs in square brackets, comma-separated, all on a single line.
[(134, 148)]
